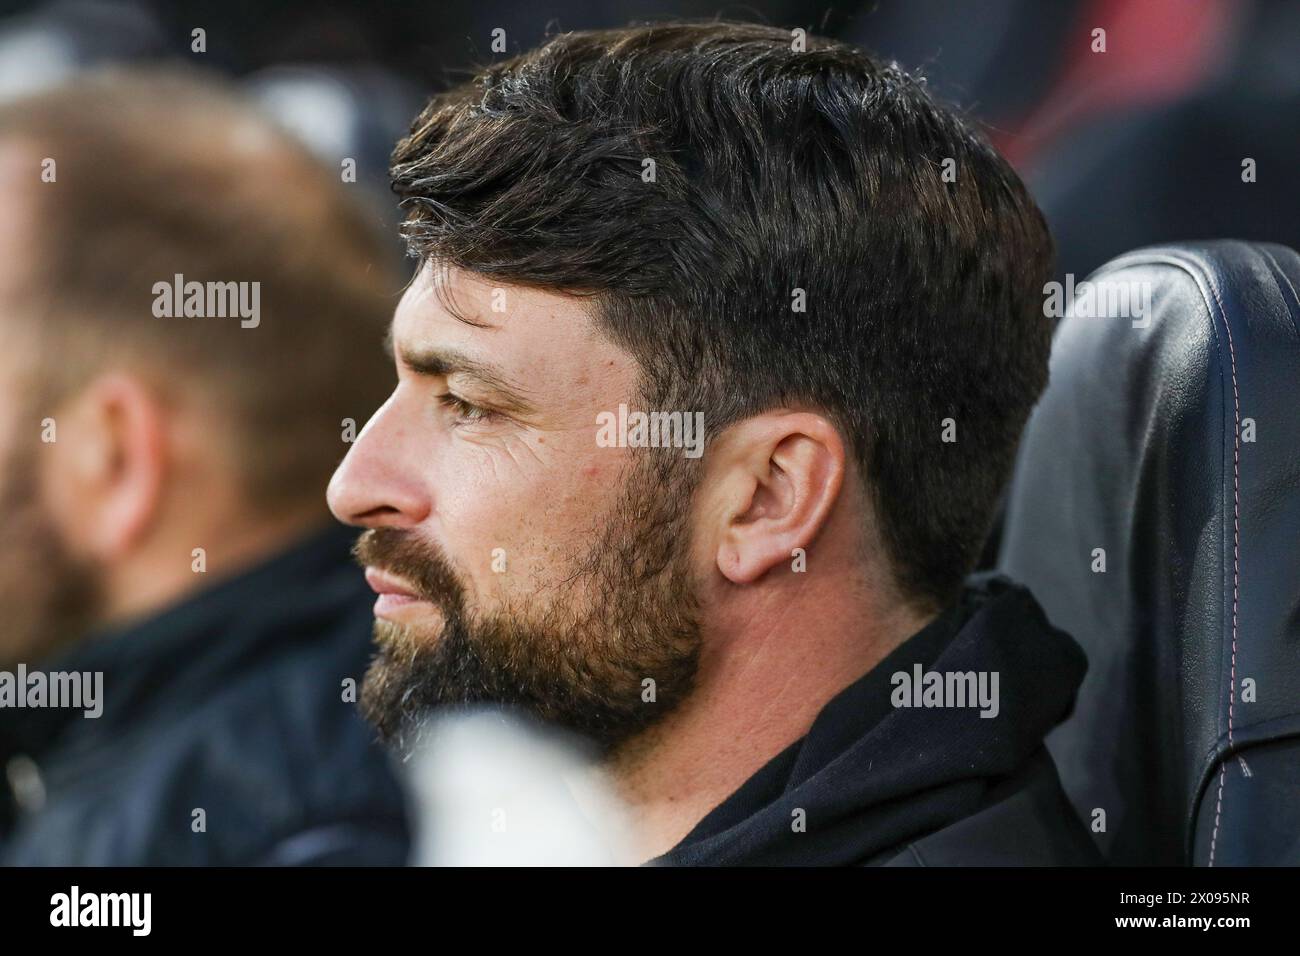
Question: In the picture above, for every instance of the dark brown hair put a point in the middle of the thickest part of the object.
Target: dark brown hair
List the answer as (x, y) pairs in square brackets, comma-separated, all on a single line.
[(774, 169)]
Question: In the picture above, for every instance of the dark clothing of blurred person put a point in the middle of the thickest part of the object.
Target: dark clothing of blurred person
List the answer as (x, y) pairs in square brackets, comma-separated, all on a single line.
[(181, 285), (226, 735)]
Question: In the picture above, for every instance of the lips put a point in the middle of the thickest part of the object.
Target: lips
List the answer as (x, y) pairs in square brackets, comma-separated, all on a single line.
[(393, 593)]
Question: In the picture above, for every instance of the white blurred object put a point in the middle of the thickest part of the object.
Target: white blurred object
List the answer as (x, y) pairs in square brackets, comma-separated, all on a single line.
[(30, 61), (52, 43), (494, 791), (312, 105)]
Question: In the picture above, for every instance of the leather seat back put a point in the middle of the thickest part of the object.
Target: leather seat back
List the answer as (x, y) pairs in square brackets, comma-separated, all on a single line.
[(1155, 513)]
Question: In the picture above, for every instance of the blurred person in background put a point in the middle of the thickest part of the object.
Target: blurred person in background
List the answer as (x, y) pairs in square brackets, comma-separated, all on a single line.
[(628, 222), (162, 460)]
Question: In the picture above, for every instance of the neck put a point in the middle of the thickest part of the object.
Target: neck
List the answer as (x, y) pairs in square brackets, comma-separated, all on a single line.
[(768, 669), (166, 572)]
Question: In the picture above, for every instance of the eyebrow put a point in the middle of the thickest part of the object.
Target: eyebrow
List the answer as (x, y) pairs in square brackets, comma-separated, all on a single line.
[(447, 362)]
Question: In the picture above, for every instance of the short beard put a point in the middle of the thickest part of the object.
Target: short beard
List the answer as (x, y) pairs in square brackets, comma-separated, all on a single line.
[(613, 651), (50, 598)]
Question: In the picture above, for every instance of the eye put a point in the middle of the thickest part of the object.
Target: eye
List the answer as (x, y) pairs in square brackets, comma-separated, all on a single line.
[(465, 412)]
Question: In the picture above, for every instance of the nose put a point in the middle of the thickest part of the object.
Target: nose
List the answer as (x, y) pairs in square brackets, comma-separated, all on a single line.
[(379, 484)]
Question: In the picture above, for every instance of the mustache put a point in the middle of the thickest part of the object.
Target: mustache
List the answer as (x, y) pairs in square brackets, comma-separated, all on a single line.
[(423, 566)]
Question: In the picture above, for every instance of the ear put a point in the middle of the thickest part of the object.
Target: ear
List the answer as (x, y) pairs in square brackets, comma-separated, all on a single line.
[(780, 475), (105, 483)]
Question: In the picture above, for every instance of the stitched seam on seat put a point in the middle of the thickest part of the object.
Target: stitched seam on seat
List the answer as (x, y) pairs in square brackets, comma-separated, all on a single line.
[(1236, 556), (1197, 272), (1278, 273)]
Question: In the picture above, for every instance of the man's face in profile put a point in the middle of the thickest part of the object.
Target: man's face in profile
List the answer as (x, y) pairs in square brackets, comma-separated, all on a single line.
[(48, 596), (517, 561)]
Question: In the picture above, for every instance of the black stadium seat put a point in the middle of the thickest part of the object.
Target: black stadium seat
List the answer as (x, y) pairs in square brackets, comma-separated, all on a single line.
[(1175, 449)]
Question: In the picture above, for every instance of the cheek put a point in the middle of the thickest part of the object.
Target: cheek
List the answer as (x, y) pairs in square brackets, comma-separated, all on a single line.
[(20, 418), (9, 437), (512, 530)]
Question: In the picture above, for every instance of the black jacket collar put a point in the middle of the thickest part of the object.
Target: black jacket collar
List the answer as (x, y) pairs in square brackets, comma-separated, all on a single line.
[(870, 777)]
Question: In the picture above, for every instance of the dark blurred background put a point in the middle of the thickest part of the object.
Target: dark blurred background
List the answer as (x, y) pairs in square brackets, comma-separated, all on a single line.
[(1142, 143)]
